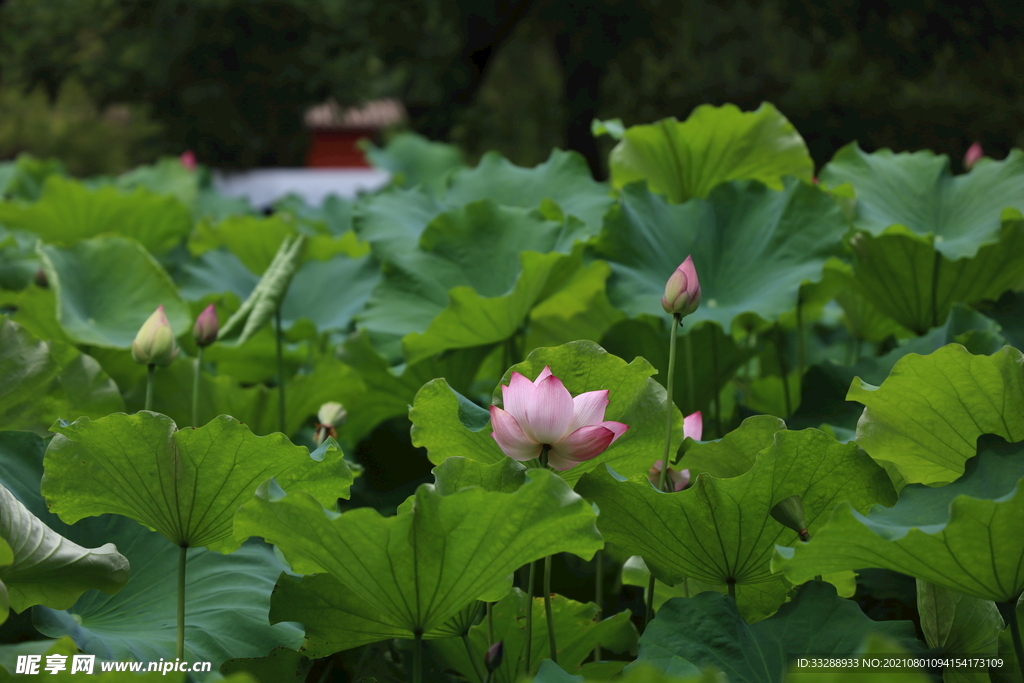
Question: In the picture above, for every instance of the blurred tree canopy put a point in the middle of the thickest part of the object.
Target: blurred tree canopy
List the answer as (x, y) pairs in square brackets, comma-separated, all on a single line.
[(232, 78)]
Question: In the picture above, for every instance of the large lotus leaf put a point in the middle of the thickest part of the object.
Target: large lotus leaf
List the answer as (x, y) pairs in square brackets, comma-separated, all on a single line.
[(39, 566), (708, 631), (139, 621), (564, 298), (917, 190), (564, 178), (475, 250), (549, 672), (168, 176), (967, 536), (280, 666), (68, 212), (23, 178), (254, 240), (712, 146), (187, 483), (393, 220), (448, 424), (44, 381), (577, 633), (720, 531), (875, 647), (752, 248), (414, 160), (713, 356), (332, 217), (925, 418), (413, 572), (905, 277), (959, 624), (734, 453), (97, 309)]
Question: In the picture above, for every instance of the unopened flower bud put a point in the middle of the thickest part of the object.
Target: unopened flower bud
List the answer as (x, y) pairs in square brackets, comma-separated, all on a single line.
[(206, 327), (154, 344), (682, 291), (330, 416), (40, 279), (495, 653), (790, 513), (188, 159), (679, 480), (974, 153)]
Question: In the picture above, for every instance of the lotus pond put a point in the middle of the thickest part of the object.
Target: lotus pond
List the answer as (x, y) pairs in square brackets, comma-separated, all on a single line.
[(495, 424)]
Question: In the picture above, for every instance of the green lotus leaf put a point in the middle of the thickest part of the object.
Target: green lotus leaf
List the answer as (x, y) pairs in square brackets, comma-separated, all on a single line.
[(19, 261), (44, 381), (959, 624), (254, 240), (68, 212), (455, 474), (549, 672), (967, 536), (413, 572), (332, 217), (874, 647), (708, 631), (736, 452), (167, 176), (465, 256), (917, 191), (715, 358), (23, 178), (752, 247), (577, 633), (99, 310), (414, 160), (39, 566), (185, 484), (925, 418), (66, 649), (447, 424), (393, 220), (712, 146), (906, 277), (720, 531), (280, 666), (564, 178)]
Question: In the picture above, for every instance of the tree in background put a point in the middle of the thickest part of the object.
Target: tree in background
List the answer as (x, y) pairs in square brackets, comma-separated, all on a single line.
[(231, 79)]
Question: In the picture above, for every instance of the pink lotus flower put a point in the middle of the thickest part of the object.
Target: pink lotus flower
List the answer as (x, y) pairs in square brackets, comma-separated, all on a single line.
[(543, 413), (205, 330), (974, 153), (682, 291), (188, 159), (693, 427)]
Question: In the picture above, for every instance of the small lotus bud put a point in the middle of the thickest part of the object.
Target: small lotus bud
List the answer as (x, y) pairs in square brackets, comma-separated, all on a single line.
[(495, 653), (330, 416), (790, 513), (679, 480), (188, 159), (974, 153), (40, 279), (154, 344), (206, 327), (682, 291)]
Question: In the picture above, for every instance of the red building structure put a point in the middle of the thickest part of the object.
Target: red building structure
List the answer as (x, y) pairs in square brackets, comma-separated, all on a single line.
[(335, 132)]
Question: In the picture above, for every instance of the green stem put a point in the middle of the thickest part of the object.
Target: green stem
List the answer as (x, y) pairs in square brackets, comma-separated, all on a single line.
[(800, 335), (149, 386), (195, 387), (731, 583), (935, 289), (490, 623), (280, 369), (780, 354), (676, 321), (547, 609), (688, 350), (599, 594), (1018, 646), (182, 556), (714, 382), (417, 657), (480, 673), (529, 617), (649, 614)]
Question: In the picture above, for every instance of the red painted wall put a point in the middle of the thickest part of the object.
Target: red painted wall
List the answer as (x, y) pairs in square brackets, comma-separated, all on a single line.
[(337, 149)]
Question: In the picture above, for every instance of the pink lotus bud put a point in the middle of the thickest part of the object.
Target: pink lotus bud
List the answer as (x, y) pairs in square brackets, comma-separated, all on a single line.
[(682, 291), (974, 153), (815, 179), (154, 344), (206, 327), (693, 427), (495, 653), (188, 159)]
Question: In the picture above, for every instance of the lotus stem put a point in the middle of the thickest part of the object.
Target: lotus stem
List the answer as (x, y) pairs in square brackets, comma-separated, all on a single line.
[(529, 617), (676, 322), (935, 289), (280, 369), (490, 621), (688, 350), (649, 614), (195, 387), (148, 386), (182, 557), (599, 594), (417, 657), (731, 584), (547, 609), (800, 335), (473, 658), (1018, 646), (714, 382), (780, 354)]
